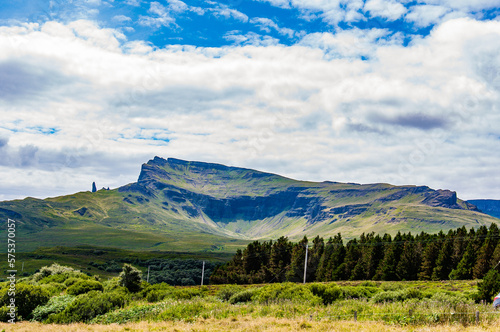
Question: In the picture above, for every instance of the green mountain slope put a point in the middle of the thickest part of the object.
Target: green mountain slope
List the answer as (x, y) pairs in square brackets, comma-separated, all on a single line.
[(194, 206)]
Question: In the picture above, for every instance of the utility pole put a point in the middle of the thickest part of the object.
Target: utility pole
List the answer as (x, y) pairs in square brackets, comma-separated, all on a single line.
[(202, 273), (305, 264)]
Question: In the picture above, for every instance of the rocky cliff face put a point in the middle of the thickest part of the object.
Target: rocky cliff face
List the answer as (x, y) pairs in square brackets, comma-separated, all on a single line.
[(193, 199), (225, 194)]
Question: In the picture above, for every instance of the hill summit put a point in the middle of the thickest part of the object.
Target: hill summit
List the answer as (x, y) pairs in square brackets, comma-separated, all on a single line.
[(179, 205)]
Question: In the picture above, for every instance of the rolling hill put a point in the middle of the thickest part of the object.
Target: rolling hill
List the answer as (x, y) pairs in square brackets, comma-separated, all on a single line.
[(192, 206)]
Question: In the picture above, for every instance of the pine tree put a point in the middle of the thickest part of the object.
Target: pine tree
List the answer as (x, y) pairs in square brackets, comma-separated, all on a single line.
[(430, 256), (483, 262), (444, 264), (280, 259), (296, 271)]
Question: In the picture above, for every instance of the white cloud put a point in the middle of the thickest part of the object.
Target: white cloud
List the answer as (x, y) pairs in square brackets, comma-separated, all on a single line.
[(121, 18), (78, 101), (161, 16), (267, 24), (425, 15), (389, 9), (227, 13)]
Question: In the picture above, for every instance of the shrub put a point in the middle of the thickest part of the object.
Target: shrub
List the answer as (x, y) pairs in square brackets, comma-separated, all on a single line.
[(130, 277), (328, 293), (84, 286), (287, 291), (63, 277), (359, 292), (4, 314), (53, 288), (54, 306), (226, 292), (450, 298), (28, 297), (243, 296), (53, 270), (87, 306), (489, 286), (398, 296)]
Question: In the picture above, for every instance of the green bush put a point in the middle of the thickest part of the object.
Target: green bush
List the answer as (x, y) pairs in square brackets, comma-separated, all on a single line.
[(54, 306), (4, 314), (28, 297), (398, 296), (227, 291), (156, 292), (54, 269), (243, 296), (84, 286), (328, 293), (450, 298), (87, 306), (54, 288), (63, 277), (287, 291), (359, 292)]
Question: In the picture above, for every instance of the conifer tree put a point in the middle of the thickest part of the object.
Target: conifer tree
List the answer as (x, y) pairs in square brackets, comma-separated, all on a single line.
[(444, 264), (296, 271), (485, 254)]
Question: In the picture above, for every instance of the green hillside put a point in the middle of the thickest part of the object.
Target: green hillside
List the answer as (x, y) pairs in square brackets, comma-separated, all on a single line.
[(179, 205)]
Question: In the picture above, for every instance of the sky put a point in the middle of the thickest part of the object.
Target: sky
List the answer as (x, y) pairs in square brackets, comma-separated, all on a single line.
[(377, 91)]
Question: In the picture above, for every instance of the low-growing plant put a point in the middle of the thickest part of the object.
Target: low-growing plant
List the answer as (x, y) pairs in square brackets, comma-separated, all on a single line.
[(227, 291), (54, 269), (287, 291), (359, 292), (63, 277), (88, 306), (398, 295), (54, 306), (243, 296), (84, 286), (328, 293), (53, 288), (27, 297)]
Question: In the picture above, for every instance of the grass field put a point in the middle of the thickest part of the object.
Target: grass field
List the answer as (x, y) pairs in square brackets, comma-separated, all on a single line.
[(244, 324)]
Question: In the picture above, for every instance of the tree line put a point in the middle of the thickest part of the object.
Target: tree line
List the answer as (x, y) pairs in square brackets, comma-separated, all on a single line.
[(458, 254)]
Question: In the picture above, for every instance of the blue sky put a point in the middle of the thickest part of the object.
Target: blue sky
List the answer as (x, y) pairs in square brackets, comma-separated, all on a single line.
[(396, 91)]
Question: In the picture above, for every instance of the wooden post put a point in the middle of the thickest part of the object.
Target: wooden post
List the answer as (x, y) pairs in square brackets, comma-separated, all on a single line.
[(410, 313), (355, 316), (477, 317)]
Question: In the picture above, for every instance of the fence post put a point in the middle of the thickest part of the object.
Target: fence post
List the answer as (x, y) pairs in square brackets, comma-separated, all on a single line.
[(410, 313), (355, 316), (477, 317)]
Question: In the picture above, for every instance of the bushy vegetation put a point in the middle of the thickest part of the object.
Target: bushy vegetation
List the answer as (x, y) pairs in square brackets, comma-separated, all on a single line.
[(88, 306), (457, 255), (54, 306), (27, 297), (84, 286)]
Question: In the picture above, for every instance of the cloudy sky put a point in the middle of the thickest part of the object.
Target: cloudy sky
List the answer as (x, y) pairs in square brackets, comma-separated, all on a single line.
[(396, 91)]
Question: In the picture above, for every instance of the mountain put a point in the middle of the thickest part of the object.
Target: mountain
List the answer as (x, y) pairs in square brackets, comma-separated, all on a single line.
[(194, 206), (488, 206)]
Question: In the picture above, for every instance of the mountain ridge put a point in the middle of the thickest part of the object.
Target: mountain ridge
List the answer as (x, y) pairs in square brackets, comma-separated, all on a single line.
[(207, 206)]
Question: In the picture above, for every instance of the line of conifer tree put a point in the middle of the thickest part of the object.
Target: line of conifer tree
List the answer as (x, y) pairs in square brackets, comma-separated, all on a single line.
[(458, 255)]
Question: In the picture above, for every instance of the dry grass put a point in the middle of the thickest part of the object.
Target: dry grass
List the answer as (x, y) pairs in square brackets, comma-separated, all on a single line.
[(243, 324)]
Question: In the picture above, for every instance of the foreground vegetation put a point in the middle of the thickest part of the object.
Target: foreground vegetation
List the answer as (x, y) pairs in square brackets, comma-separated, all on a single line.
[(62, 295)]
